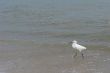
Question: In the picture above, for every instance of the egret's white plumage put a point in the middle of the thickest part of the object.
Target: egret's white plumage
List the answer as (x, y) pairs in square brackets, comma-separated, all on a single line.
[(78, 47)]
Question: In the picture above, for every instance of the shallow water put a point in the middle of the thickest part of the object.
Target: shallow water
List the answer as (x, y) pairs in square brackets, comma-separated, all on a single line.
[(34, 33), (52, 58), (55, 21)]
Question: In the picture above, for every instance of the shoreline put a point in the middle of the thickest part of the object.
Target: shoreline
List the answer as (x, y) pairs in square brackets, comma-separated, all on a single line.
[(51, 58)]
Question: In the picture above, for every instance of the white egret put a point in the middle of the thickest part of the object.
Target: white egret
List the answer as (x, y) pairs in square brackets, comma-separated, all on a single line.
[(78, 47)]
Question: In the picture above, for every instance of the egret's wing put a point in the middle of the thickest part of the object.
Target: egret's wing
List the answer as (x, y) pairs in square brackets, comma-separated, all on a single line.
[(81, 47)]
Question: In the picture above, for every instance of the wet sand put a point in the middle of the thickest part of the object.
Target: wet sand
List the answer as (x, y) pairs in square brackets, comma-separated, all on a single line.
[(52, 58)]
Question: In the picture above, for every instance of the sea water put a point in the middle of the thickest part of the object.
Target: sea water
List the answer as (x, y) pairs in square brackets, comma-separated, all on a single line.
[(33, 33)]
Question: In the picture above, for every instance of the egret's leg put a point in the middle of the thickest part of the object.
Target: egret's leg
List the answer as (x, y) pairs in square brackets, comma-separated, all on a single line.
[(82, 55), (75, 54)]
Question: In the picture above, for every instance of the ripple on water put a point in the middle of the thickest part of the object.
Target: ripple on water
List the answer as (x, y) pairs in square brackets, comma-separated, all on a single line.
[(6, 66), (69, 71)]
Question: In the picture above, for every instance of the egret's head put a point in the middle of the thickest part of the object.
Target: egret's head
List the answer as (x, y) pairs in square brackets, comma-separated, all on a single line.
[(74, 41)]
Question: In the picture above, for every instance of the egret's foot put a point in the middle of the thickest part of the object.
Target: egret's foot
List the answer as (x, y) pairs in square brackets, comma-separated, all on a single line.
[(82, 55)]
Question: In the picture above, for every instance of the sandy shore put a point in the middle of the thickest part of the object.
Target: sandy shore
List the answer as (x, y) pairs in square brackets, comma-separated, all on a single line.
[(51, 59)]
